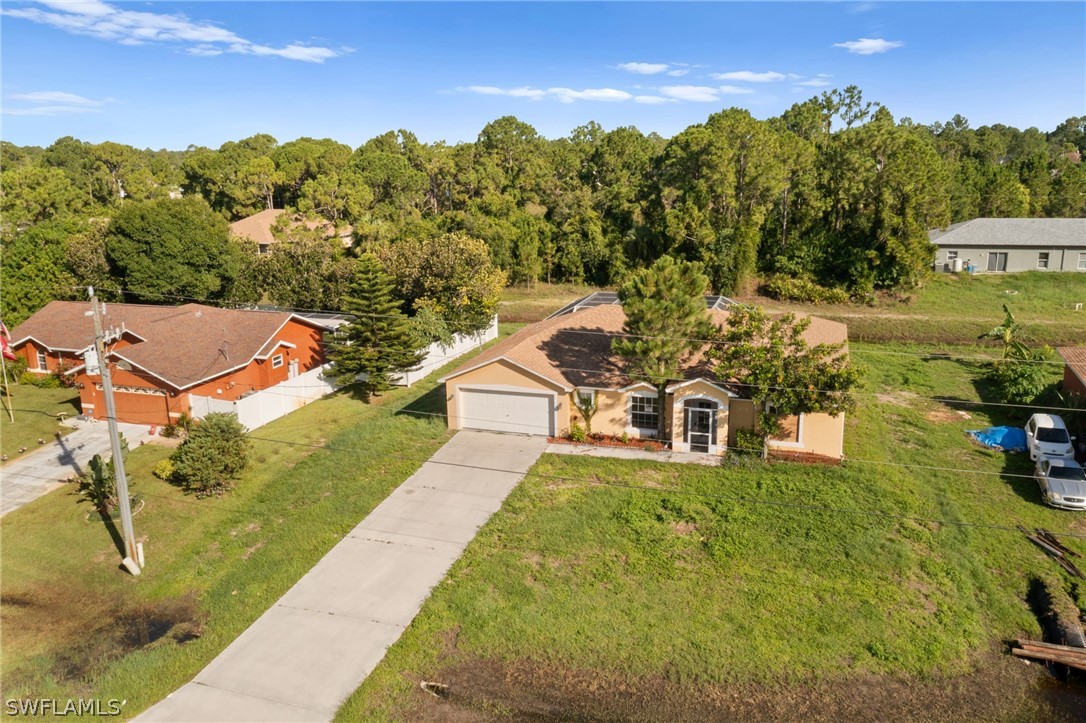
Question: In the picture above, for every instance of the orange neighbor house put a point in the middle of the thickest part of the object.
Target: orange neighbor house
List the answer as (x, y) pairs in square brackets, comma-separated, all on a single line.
[(160, 356)]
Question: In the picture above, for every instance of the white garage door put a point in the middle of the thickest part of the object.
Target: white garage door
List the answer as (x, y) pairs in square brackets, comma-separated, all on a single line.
[(514, 410)]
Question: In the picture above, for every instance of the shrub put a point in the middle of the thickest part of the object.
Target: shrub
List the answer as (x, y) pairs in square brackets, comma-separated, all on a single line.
[(17, 367), (1019, 381), (793, 288), (164, 470), (62, 376), (28, 378), (625, 438), (577, 433), (97, 485), (170, 430), (748, 441), (213, 457)]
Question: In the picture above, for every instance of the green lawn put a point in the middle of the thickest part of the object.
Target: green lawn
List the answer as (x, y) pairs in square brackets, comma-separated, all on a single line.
[(955, 309), (698, 577), (527, 304), (35, 416), (74, 625)]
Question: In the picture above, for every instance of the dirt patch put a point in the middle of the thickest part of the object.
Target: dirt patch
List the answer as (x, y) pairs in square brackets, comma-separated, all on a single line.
[(683, 528), (485, 690), (160, 441), (942, 414), (899, 398), (81, 631)]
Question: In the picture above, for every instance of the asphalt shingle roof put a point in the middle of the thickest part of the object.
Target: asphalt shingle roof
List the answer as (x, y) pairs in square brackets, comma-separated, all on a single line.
[(999, 232), (574, 349), (182, 345)]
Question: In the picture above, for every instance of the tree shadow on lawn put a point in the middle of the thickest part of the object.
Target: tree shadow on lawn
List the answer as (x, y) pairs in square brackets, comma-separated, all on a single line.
[(429, 406)]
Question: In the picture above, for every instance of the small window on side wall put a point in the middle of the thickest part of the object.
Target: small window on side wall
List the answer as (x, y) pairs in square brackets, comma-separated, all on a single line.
[(586, 397), (42, 361), (277, 361), (1042, 260)]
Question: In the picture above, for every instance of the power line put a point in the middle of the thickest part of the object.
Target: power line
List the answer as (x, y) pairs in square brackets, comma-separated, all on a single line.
[(935, 355)]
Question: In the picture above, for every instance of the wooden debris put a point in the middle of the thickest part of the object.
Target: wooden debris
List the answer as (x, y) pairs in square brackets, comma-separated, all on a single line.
[(1056, 550), (1063, 654)]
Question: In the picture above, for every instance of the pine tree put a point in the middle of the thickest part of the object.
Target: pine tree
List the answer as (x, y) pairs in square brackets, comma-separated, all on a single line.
[(380, 343), (665, 319)]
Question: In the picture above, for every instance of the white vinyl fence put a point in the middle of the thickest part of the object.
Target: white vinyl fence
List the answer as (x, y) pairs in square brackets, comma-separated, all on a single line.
[(259, 408), (438, 355)]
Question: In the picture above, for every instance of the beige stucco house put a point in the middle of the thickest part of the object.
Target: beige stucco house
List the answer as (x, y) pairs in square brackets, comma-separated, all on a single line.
[(528, 383)]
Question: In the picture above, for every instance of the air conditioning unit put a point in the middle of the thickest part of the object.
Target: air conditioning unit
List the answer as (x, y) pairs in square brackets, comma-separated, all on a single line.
[(956, 265)]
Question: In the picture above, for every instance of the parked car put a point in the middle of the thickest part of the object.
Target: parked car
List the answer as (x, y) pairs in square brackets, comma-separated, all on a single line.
[(1046, 435), (1063, 483)]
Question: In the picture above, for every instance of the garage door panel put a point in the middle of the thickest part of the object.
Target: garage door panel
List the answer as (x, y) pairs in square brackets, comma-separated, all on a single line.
[(523, 412)]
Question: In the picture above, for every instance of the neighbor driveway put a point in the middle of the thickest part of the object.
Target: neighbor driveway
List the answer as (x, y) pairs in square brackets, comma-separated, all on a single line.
[(303, 657), (32, 475)]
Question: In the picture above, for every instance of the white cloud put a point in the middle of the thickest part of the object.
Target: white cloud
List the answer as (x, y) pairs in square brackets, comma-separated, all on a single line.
[(653, 99), (819, 81), (749, 76), (644, 68), (734, 90), (864, 7), (50, 110), (53, 102), (56, 96), (869, 46), (677, 73), (132, 27), (564, 95), (691, 93)]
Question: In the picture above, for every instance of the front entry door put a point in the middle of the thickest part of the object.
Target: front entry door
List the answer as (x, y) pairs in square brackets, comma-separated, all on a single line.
[(700, 424)]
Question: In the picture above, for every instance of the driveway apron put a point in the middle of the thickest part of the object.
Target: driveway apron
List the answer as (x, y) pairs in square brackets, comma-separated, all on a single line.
[(303, 657), (32, 475)]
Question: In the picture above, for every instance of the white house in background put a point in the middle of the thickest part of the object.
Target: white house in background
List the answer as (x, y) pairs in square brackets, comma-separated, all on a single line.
[(1011, 244)]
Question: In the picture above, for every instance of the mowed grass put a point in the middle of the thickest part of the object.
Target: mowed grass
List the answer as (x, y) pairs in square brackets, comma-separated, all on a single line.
[(524, 304), (893, 565), (75, 625), (956, 309), (35, 413)]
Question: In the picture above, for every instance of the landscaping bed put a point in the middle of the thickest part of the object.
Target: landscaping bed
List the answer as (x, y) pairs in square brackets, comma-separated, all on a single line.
[(610, 440)]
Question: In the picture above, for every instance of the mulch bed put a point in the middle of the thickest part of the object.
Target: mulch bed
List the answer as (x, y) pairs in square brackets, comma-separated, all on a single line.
[(609, 440)]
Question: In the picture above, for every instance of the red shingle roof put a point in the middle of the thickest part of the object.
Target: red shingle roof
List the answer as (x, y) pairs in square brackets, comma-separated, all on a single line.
[(182, 345), (574, 350)]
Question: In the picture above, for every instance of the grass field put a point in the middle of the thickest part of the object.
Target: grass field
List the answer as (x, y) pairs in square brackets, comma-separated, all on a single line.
[(35, 416), (956, 309), (523, 304), (700, 588), (75, 625)]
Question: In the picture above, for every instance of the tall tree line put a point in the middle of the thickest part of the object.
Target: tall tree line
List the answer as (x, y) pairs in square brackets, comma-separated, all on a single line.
[(835, 191)]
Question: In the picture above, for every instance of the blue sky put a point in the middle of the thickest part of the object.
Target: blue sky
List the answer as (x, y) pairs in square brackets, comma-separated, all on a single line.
[(173, 74)]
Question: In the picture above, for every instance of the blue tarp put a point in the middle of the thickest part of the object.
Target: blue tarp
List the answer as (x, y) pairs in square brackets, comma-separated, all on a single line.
[(1007, 439)]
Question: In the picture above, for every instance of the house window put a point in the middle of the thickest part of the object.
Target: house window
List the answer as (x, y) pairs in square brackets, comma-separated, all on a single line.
[(586, 397), (997, 260), (42, 360), (645, 413), (1042, 260), (1082, 261), (277, 361), (951, 255)]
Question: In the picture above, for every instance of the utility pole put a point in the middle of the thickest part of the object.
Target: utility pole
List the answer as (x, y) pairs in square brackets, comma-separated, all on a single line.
[(131, 554)]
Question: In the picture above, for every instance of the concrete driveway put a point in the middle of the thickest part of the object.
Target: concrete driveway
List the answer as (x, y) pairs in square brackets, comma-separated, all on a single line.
[(43, 470), (303, 657)]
